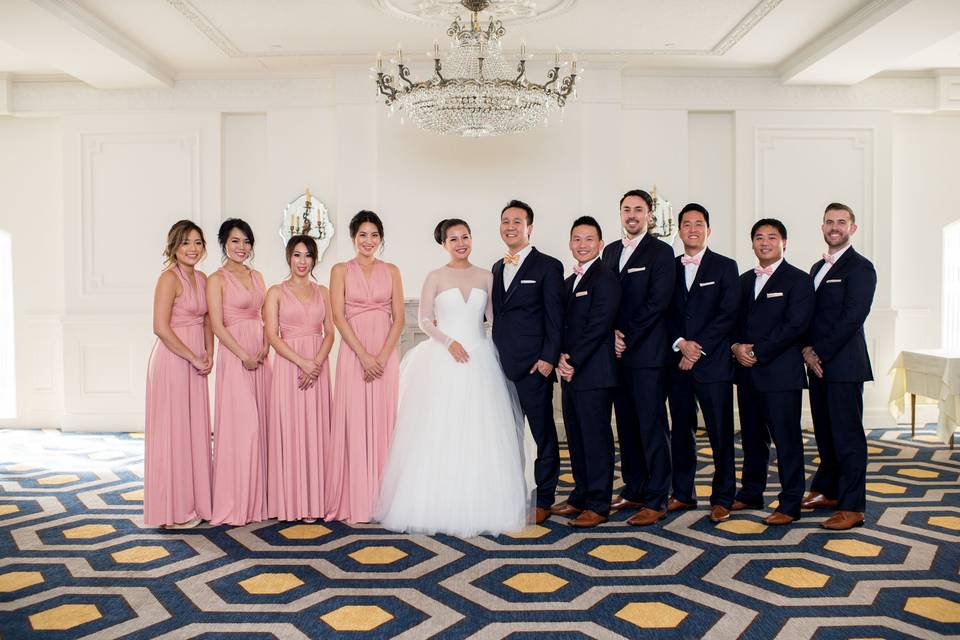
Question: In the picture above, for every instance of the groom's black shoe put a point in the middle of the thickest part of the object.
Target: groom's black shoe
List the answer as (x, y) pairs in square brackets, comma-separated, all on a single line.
[(565, 509)]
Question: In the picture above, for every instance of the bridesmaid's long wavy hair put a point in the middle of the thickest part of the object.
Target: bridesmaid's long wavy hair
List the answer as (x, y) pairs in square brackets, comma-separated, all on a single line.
[(440, 231), (175, 237), (312, 251), (229, 225)]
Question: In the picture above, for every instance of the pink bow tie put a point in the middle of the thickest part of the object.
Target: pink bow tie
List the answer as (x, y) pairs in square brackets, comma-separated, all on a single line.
[(829, 258), (578, 269), (685, 260), (632, 244), (763, 271)]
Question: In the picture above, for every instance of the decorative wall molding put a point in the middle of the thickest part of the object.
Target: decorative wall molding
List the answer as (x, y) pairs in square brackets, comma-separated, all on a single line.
[(861, 140), (948, 91), (726, 92), (93, 147)]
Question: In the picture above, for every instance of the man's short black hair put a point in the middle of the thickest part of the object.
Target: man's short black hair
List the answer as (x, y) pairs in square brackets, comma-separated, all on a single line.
[(693, 206), (769, 222), (520, 204), (589, 221)]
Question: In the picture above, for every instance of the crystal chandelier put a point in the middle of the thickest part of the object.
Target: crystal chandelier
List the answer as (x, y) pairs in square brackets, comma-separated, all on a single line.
[(473, 92)]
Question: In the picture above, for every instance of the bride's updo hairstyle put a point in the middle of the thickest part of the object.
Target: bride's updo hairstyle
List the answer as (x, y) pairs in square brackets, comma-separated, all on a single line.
[(365, 216), (440, 231)]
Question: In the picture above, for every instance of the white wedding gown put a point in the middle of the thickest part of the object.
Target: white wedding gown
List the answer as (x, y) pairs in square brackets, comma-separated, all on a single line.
[(456, 464)]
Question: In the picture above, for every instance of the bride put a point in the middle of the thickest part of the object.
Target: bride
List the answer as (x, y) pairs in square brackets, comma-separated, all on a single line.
[(456, 462)]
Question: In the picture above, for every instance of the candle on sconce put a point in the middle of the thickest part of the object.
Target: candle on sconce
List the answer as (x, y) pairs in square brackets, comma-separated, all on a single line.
[(436, 50), (483, 49), (556, 59), (399, 54), (574, 64), (523, 50), (379, 62)]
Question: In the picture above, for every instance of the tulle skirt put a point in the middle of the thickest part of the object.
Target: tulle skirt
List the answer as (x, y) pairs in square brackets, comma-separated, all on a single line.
[(456, 464)]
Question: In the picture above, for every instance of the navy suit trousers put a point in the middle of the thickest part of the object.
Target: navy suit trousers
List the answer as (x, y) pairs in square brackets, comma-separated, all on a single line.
[(837, 409)]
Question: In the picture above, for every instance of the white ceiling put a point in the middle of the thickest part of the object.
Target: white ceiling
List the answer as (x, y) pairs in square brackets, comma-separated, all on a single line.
[(131, 43)]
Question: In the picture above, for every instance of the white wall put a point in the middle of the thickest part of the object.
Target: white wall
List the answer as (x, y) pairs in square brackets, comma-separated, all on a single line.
[(89, 186)]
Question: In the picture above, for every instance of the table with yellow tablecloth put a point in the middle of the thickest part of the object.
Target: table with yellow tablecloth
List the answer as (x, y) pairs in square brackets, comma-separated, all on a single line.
[(933, 374)]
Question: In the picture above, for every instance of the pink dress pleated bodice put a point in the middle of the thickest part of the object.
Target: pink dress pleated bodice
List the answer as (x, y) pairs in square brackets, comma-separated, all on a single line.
[(176, 486), (240, 410), (299, 422), (363, 412)]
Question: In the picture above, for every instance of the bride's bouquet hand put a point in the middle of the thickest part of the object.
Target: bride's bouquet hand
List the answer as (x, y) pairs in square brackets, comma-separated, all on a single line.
[(458, 352)]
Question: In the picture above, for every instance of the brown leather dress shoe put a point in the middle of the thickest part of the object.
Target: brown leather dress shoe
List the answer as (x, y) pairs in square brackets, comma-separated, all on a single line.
[(587, 520), (740, 506), (646, 516), (843, 520), (814, 500), (623, 503), (776, 519), (675, 505), (719, 513), (541, 514), (565, 509)]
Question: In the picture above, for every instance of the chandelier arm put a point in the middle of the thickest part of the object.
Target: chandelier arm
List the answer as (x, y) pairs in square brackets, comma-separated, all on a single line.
[(437, 66), (386, 88), (552, 76), (404, 73), (566, 88), (521, 72)]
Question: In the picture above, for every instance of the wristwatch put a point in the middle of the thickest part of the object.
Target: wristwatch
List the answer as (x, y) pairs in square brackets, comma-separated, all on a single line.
[(751, 354)]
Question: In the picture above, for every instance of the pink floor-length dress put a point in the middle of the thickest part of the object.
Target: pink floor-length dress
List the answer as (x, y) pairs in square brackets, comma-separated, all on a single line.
[(240, 410), (176, 484), (299, 422), (364, 413)]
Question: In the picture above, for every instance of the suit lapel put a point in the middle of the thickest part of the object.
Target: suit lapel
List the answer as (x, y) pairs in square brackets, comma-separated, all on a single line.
[(771, 280), (524, 266), (704, 266), (498, 283), (635, 256), (587, 277)]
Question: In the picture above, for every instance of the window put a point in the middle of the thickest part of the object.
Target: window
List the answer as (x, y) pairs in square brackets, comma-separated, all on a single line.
[(950, 335)]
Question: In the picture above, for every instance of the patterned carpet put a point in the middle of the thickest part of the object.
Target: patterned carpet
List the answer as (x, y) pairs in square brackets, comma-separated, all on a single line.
[(76, 561)]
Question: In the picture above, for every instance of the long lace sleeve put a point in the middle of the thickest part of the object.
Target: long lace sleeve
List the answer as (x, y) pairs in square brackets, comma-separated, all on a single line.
[(426, 314)]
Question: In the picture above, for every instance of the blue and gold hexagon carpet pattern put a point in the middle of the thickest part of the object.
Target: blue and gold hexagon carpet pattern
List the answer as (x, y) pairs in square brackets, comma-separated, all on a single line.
[(77, 562)]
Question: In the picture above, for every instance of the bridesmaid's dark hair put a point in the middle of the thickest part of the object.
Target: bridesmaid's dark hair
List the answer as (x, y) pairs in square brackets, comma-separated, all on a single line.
[(311, 245), (365, 216), (440, 231), (175, 237), (229, 225)]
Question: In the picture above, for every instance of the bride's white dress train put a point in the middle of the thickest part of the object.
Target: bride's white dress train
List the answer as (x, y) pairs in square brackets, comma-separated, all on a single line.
[(456, 462)]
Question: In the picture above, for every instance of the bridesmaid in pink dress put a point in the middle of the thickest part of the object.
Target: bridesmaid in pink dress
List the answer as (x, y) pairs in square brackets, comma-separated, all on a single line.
[(366, 295), (176, 484), (300, 331), (235, 294)]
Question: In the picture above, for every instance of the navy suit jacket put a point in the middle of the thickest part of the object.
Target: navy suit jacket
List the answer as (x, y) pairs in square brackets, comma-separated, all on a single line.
[(528, 317), (706, 314), (775, 324), (843, 302), (588, 328), (646, 285)]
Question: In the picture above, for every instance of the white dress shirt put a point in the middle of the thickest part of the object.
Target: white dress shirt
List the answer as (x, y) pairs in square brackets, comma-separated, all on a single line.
[(586, 267), (509, 271), (817, 279), (628, 251), (690, 270), (762, 280), (689, 275)]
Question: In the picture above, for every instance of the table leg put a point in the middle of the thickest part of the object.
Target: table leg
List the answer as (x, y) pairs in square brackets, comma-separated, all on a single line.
[(913, 414)]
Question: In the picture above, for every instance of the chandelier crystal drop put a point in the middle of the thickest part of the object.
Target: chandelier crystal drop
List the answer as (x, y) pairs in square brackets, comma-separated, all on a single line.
[(475, 92)]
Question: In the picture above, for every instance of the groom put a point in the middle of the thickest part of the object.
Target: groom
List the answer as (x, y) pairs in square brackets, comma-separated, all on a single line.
[(528, 320)]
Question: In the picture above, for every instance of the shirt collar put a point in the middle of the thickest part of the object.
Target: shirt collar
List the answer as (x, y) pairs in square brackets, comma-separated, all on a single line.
[(776, 265), (587, 265), (698, 255), (524, 252), (639, 237), (837, 255)]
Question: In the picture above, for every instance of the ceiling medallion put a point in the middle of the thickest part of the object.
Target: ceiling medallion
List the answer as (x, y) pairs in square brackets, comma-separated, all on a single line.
[(473, 92)]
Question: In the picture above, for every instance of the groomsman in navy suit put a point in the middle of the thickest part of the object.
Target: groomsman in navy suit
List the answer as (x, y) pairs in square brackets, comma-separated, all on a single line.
[(588, 371), (776, 304), (527, 329), (838, 365), (704, 308), (645, 269)]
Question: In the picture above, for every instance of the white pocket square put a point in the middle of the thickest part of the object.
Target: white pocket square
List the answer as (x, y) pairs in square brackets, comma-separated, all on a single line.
[(634, 269), (528, 282), (775, 294), (707, 284), (581, 293), (834, 281)]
